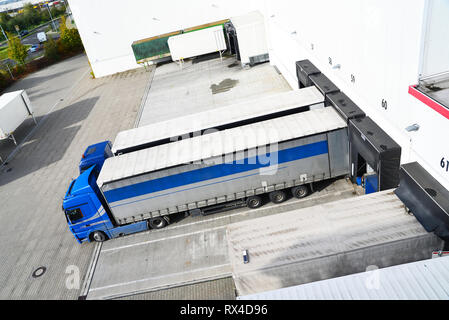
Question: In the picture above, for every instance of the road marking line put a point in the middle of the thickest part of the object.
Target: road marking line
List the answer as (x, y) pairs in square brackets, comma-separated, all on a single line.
[(161, 277), (90, 271), (165, 238)]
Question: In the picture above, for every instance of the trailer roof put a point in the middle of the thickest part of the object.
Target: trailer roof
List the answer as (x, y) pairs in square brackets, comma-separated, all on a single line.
[(217, 117), (220, 143), (421, 280), (8, 97), (298, 246)]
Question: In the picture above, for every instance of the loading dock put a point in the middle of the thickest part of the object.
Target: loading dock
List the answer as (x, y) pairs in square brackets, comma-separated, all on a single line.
[(426, 198), (304, 69), (369, 144), (332, 240)]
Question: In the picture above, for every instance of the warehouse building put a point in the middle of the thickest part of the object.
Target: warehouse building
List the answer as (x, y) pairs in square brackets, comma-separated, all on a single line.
[(374, 51)]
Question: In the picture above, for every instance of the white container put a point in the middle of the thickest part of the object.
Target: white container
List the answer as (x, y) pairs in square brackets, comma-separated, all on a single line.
[(196, 43), (15, 107), (41, 36), (251, 36)]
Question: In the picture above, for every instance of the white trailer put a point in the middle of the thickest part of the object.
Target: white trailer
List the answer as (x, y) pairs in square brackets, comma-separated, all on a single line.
[(195, 43), (230, 167), (326, 241), (41, 36), (15, 107), (251, 36), (226, 117)]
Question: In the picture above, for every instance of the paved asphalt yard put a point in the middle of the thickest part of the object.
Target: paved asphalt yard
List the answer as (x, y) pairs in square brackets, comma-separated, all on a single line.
[(46, 88), (32, 185)]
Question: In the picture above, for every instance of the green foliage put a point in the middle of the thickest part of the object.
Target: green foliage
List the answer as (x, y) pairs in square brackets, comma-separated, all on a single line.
[(51, 49), (16, 50), (70, 38), (29, 18), (4, 79)]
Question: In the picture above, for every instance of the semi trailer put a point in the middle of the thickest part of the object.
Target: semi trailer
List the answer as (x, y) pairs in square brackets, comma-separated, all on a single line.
[(141, 190), (15, 107), (205, 122)]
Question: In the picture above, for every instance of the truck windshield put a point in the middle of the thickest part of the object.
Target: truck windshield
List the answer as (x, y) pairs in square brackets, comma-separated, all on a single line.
[(90, 151), (74, 214), (85, 168)]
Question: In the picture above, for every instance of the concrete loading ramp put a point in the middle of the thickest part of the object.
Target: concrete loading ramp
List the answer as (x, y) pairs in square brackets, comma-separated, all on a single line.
[(191, 251), (172, 260), (332, 240)]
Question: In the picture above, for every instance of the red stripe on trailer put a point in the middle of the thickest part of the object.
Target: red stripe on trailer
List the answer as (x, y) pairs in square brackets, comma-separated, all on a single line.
[(438, 107)]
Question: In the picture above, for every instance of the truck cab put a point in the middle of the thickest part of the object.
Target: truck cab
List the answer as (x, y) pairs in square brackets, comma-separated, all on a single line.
[(86, 216), (95, 155)]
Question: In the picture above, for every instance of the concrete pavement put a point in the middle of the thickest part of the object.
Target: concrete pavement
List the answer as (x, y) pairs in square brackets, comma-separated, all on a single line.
[(34, 230), (45, 89), (190, 250), (209, 84)]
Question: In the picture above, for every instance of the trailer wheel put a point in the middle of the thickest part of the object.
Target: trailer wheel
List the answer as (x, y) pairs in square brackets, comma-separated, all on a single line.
[(98, 236), (300, 191), (254, 202), (277, 196), (157, 223)]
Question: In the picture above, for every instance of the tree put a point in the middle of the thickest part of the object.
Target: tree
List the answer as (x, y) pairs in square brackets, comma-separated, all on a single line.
[(31, 15), (70, 38), (16, 50), (4, 17), (51, 49)]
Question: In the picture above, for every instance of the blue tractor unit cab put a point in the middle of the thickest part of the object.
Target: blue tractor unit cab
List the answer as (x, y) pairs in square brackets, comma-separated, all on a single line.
[(95, 154), (88, 214)]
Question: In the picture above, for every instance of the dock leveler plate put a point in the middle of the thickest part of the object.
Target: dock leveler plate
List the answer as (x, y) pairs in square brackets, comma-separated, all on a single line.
[(425, 197)]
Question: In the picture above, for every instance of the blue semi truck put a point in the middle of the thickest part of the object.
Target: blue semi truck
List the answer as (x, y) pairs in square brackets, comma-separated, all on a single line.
[(141, 190)]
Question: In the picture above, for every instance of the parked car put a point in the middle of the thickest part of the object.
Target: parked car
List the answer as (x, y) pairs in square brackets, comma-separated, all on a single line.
[(23, 33)]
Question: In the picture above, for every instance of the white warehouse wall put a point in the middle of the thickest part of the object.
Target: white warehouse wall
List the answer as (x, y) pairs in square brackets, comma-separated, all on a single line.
[(108, 28), (380, 43)]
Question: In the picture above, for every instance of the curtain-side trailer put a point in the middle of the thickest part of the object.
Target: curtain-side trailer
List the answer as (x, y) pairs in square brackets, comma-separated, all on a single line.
[(140, 190), (205, 122), (226, 117)]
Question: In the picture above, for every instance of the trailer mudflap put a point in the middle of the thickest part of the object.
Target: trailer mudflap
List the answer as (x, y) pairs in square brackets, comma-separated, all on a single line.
[(425, 197)]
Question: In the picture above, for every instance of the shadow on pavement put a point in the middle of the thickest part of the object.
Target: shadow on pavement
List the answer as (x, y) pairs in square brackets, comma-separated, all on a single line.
[(48, 144), (31, 82)]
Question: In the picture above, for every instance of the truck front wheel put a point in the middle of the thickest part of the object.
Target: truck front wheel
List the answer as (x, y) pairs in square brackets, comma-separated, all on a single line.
[(98, 236), (157, 223)]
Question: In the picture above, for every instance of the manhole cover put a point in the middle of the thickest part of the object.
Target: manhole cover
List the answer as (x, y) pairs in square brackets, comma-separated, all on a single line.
[(39, 272)]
